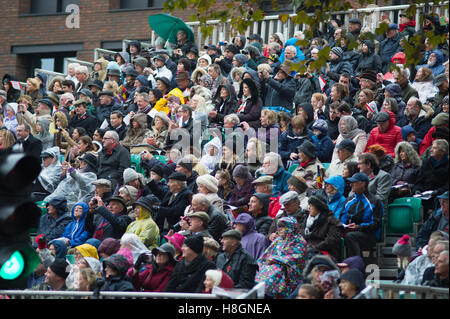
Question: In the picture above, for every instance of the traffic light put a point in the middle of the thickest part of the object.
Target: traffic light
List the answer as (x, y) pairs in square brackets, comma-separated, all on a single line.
[(18, 214)]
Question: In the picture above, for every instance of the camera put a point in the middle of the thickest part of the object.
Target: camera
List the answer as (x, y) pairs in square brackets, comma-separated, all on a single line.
[(95, 201)]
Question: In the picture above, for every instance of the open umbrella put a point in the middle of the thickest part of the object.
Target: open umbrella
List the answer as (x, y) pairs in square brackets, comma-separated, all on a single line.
[(167, 26)]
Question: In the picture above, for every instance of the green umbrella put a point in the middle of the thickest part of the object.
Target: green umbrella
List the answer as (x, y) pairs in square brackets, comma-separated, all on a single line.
[(167, 26)]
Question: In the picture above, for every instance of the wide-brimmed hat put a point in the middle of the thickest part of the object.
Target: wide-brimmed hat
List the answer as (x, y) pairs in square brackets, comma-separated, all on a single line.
[(286, 67), (176, 239)]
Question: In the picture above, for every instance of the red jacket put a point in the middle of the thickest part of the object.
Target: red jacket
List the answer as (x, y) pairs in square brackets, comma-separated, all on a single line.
[(388, 139), (427, 140), (146, 280)]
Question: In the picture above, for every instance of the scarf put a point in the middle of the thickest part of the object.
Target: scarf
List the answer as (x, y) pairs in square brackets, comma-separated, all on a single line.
[(109, 152), (304, 164), (403, 26), (98, 234)]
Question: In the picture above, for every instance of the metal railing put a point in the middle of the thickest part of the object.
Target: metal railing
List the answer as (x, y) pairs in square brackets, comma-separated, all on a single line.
[(89, 65), (99, 52), (398, 291), (371, 17), (256, 292), (50, 74), (36, 294), (144, 45)]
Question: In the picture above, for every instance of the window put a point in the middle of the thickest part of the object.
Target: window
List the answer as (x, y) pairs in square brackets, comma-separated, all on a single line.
[(50, 6), (141, 4)]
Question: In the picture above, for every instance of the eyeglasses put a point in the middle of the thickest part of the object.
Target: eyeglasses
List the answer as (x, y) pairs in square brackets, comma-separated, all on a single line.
[(107, 138)]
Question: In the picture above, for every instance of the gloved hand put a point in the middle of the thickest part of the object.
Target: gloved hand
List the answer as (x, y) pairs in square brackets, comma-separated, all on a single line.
[(140, 260), (41, 241)]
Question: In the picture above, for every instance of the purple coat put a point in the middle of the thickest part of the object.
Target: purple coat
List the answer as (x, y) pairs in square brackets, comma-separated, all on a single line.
[(241, 196), (252, 241)]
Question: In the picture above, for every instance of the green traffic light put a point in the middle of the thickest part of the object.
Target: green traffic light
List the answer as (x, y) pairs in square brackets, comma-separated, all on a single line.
[(13, 267)]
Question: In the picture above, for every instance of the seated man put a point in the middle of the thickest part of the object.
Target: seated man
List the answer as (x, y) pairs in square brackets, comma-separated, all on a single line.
[(380, 182), (345, 152), (386, 134), (362, 216), (437, 221), (236, 261), (173, 204)]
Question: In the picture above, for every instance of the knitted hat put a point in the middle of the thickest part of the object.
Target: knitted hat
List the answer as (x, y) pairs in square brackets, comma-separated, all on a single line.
[(320, 125), (220, 278), (356, 277), (205, 57), (59, 267), (186, 163), (129, 175), (438, 80), (109, 246), (241, 58), (369, 75), (402, 247), (393, 89), (195, 243), (319, 203), (308, 148), (158, 169), (338, 51), (208, 181), (242, 172), (274, 57)]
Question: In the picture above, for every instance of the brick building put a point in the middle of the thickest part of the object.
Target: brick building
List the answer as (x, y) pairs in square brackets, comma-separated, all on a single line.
[(35, 34)]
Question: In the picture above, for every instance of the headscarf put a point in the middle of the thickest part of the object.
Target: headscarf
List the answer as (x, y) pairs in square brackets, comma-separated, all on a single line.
[(134, 243), (351, 125)]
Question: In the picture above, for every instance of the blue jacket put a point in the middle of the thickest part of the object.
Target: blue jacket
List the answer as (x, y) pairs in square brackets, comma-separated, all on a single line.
[(299, 57), (54, 228), (289, 141), (280, 185), (324, 147), (75, 230), (336, 204), (365, 210)]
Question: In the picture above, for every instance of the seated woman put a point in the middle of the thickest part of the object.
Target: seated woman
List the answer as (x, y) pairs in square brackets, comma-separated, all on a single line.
[(423, 84), (243, 189), (310, 166), (320, 228), (137, 132), (250, 103), (160, 129), (348, 129), (407, 165), (155, 275), (225, 102), (281, 265)]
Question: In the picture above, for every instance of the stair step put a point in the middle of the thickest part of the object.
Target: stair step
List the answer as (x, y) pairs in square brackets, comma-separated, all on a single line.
[(388, 273), (388, 262)]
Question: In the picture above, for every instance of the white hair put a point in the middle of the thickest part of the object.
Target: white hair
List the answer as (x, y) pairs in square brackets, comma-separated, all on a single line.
[(82, 69), (73, 65), (113, 135), (68, 96), (274, 158)]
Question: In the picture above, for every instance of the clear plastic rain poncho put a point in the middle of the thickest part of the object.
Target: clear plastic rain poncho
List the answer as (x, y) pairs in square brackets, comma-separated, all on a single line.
[(132, 242), (50, 176)]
